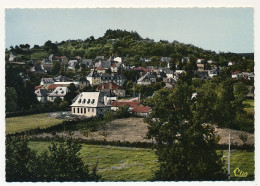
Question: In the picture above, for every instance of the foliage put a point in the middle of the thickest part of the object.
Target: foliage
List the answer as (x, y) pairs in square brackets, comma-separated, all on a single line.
[(20, 160), (56, 68), (11, 99), (186, 148), (61, 163), (24, 89)]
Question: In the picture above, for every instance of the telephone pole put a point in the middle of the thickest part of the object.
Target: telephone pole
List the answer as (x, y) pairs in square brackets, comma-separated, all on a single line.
[(229, 156)]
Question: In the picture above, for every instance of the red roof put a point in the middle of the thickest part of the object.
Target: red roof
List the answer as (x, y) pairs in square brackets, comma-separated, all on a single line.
[(38, 87), (53, 86), (123, 103), (141, 109), (142, 69), (236, 72), (110, 85), (60, 57), (101, 68)]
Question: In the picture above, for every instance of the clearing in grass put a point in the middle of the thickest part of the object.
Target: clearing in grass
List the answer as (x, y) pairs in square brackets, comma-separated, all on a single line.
[(23, 123)]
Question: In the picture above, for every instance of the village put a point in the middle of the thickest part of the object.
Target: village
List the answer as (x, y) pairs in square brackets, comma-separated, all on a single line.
[(109, 82), (124, 94)]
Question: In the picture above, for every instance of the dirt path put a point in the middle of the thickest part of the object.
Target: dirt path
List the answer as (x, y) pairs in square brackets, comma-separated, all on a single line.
[(134, 129)]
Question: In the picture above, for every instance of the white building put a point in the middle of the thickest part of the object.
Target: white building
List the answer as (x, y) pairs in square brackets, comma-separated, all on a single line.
[(90, 104), (58, 92)]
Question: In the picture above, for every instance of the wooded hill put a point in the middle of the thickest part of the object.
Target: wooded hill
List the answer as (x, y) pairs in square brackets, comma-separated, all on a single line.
[(129, 45)]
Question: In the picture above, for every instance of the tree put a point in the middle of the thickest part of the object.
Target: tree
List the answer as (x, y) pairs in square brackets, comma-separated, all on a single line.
[(20, 160), (186, 146), (56, 68), (57, 101), (62, 163), (11, 99)]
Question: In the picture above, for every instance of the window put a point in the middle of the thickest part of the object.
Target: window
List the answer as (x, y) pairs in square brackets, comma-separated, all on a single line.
[(79, 101), (81, 110), (78, 110), (88, 109), (92, 109), (84, 110), (84, 101), (93, 101), (73, 110), (88, 101)]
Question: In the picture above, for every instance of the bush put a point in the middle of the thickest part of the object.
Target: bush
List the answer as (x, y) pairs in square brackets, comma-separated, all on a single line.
[(62, 163)]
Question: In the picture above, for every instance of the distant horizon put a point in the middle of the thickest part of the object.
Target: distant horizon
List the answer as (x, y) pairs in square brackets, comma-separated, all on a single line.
[(215, 29)]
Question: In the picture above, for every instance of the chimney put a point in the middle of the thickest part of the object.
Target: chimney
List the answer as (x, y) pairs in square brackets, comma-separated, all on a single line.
[(105, 100)]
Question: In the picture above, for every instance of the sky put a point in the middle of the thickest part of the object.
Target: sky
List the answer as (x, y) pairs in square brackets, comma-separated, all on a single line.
[(217, 29)]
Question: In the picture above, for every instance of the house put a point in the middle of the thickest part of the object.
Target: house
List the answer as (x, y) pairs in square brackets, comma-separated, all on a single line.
[(118, 59), (203, 74), (169, 73), (24, 77), (178, 73), (131, 104), (72, 64), (51, 56), (94, 78), (38, 69), (90, 104), (114, 68), (147, 79), (200, 66), (210, 61), (52, 87), (200, 60), (100, 58), (212, 73), (116, 78), (41, 94), (185, 59), (61, 78), (104, 64), (63, 59), (169, 85), (47, 81), (38, 87), (101, 70), (12, 56), (88, 62), (112, 87), (58, 92), (165, 59), (47, 67), (231, 63), (141, 69), (78, 58), (142, 111), (161, 75)]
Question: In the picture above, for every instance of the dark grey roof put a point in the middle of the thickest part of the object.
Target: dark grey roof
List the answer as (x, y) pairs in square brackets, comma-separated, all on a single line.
[(41, 92), (93, 74)]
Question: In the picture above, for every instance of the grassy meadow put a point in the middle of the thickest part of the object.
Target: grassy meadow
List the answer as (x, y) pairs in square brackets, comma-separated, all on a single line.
[(23, 123), (249, 106), (139, 164)]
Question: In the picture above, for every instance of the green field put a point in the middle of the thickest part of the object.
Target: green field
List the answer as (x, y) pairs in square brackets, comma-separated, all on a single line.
[(244, 161), (39, 54), (249, 106), (137, 164), (23, 123)]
